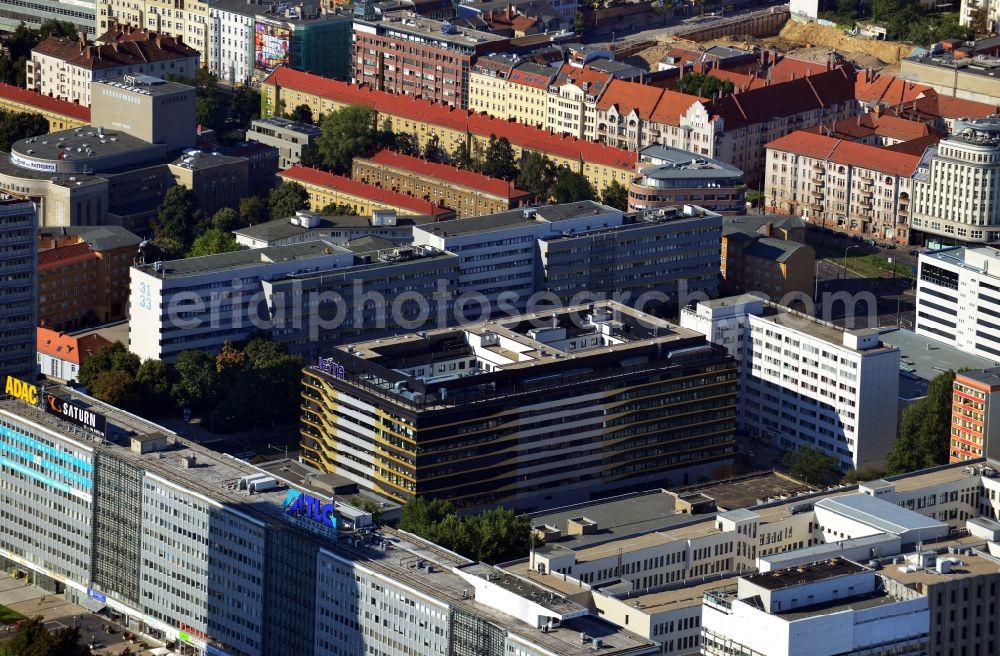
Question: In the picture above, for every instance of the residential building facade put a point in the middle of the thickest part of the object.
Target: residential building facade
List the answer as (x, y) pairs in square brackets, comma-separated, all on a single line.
[(844, 185), (420, 392), (756, 258), (231, 30), (60, 356), (974, 419), (18, 287), (805, 382), (188, 22), (468, 193)]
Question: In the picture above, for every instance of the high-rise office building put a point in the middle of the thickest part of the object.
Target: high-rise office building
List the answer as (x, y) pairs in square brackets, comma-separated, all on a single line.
[(18, 226)]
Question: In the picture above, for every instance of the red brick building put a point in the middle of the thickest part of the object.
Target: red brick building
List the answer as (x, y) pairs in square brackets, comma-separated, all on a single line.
[(408, 54)]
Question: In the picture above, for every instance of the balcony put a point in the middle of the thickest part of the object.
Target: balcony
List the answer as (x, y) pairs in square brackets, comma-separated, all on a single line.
[(865, 192)]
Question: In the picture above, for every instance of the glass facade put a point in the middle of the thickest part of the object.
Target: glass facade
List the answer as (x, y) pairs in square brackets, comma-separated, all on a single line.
[(117, 526)]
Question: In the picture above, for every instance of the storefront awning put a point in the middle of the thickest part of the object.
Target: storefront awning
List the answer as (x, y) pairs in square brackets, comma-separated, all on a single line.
[(91, 604)]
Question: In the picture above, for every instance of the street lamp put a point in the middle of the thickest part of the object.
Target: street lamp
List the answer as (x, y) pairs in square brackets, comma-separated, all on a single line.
[(845, 260)]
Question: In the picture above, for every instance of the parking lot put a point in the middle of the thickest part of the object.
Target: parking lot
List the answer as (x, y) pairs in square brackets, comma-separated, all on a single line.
[(32, 601)]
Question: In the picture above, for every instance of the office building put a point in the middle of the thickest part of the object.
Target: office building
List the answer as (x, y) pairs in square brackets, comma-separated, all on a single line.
[(442, 54), (431, 396), (973, 418), (36, 12), (845, 185), (288, 136), (670, 177), (60, 356), (466, 192), (825, 608), (308, 226), (956, 73), (225, 558), (955, 188), (805, 382), (309, 296), (958, 299), (584, 250), (216, 180), (64, 68), (755, 258), (83, 275), (363, 198), (18, 286)]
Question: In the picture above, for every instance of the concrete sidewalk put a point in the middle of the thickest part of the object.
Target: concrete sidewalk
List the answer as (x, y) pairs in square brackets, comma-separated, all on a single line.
[(56, 612)]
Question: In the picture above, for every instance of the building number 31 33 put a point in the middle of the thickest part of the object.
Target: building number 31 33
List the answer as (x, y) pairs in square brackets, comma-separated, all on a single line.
[(145, 296)]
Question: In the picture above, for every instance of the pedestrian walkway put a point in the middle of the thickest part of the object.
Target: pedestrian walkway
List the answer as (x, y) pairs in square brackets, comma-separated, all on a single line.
[(56, 612)]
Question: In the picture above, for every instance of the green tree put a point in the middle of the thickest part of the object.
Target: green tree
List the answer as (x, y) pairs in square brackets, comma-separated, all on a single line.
[(155, 379), (303, 114), (499, 160), (493, 536), (580, 24), (227, 219), (346, 133), (433, 152), (812, 466), (462, 157), (286, 199), (115, 357), (253, 210), (407, 144), (571, 186), (53, 27), (33, 639), (704, 85), (15, 126), (176, 220), (859, 476), (615, 195), (338, 209), (925, 429), (195, 384), (117, 388), (538, 174), (213, 241), (245, 106), (418, 514)]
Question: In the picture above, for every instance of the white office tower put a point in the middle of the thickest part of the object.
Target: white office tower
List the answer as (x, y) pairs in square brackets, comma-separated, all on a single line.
[(18, 271), (806, 382)]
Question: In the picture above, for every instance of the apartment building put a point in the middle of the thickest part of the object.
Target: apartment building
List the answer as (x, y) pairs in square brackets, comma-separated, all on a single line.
[(958, 299), (488, 80), (449, 128), (64, 68), (845, 185), (327, 189), (669, 177), (60, 356), (189, 546), (405, 53), (188, 22), (956, 188), (446, 404), (624, 112), (309, 226), (465, 192), (60, 114), (571, 107), (580, 251), (804, 381), (18, 287), (231, 34), (756, 259), (288, 136), (308, 296), (973, 417), (507, 86), (103, 254)]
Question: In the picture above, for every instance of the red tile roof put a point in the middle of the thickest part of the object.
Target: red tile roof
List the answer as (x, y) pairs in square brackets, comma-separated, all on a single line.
[(671, 106), (741, 81), (874, 124), (626, 96), (870, 87), (418, 109), (64, 255), (378, 195), (847, 152), (531, 78), (134, 47), (948, 107), (450, 174), (596, 81), (34, 100), (67, 347)]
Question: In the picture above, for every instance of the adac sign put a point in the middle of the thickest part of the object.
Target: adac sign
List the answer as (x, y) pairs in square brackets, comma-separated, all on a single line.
[(19, 389), (317, 510)]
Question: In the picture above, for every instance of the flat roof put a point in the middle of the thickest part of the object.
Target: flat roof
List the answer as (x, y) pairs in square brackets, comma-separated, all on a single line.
[(242, 259), (99, 238), (989, 377), (780, 579), (146, 85), (213, 475), (823, 330), (750, 490), (284, 228), (512, 218), (80, 145), (921, 359), (197, 160), (616, 517), (878, 513), (871, 600), (685, 164), (287, 124), (440, 31), (964, 565)]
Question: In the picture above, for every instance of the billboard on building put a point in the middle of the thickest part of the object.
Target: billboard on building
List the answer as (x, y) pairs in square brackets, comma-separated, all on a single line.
[(270, 46)]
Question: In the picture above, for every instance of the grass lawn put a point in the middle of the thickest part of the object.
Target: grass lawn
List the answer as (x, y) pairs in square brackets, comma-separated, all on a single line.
[(7, 616), (864, 264)]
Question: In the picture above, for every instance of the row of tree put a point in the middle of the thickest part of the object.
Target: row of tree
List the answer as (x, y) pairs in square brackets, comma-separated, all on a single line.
[(351, 132), (33, 639), (225, 112), (909, 21), (494, 536), (237, 389), (15, 126), (924, 441)]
